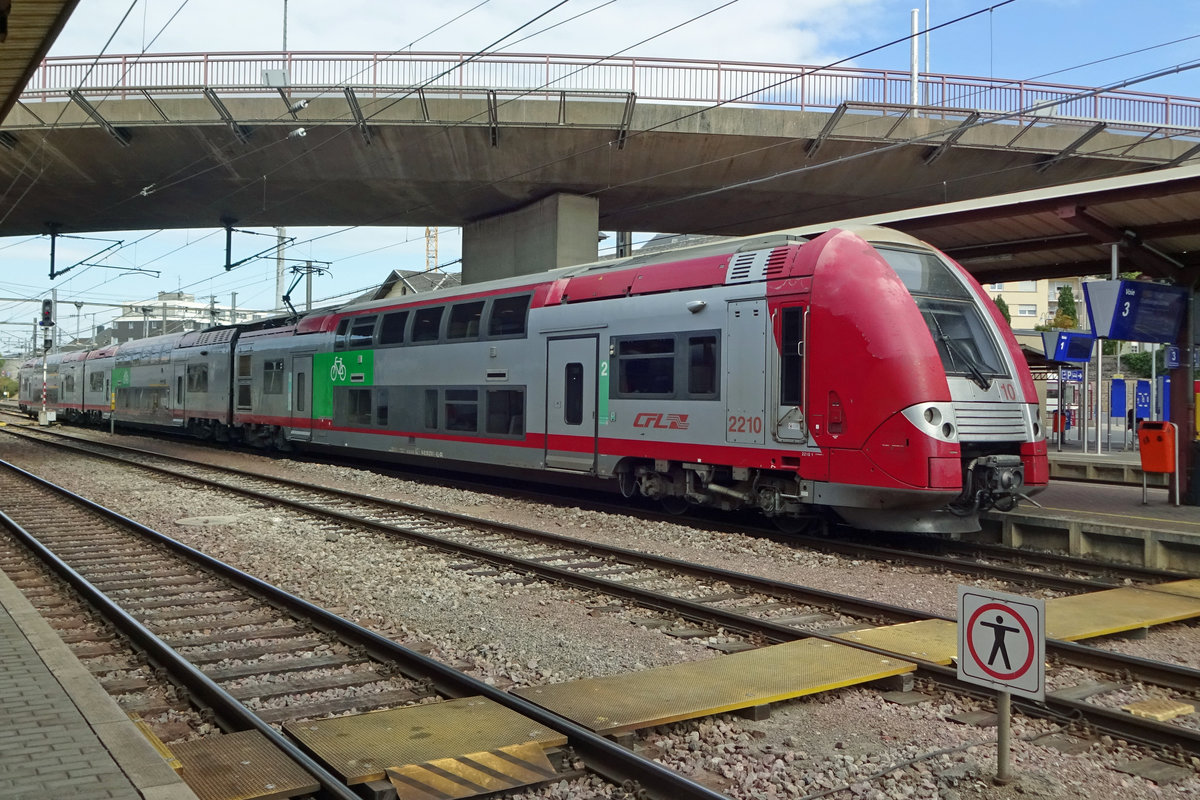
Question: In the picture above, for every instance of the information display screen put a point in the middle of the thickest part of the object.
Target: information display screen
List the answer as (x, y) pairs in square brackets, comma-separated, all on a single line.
[(1069, 346), (1136, 311)]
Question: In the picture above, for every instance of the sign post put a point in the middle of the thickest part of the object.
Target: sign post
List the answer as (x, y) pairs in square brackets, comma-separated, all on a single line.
[(1002, 644)]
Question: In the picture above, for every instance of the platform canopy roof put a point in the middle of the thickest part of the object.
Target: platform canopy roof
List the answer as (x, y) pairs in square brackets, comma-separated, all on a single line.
[(27, 29), (1069, 230)]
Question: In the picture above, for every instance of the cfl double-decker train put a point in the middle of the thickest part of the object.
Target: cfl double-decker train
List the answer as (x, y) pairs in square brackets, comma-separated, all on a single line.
[(860, 376)]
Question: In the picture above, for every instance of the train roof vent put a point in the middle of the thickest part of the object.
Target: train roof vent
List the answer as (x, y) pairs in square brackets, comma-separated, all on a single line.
[(777, 263), (744, 267), (755, 266), (212, 336)]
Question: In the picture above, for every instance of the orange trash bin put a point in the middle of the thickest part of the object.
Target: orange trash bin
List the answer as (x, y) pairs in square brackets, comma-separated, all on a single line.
[(1156, 441)]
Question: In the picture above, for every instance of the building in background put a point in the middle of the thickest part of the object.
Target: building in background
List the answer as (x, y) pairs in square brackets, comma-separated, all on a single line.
[(1032, 303), (170, 312)]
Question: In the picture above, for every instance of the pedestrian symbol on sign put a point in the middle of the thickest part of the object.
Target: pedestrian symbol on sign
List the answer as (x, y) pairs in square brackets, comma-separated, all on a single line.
[(998, 648)]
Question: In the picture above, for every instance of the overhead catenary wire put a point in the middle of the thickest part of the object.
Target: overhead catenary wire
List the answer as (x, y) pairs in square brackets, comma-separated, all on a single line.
[(335, 233)]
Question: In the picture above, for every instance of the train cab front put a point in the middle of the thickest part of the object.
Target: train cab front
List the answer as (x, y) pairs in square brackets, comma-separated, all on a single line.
[(949, 424)]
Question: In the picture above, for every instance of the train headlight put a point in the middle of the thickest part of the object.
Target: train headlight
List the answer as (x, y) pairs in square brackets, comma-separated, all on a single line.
[(934, 419)]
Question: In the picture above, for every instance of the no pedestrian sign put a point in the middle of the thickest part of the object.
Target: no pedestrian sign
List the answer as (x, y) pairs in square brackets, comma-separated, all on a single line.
[(1002, 641)]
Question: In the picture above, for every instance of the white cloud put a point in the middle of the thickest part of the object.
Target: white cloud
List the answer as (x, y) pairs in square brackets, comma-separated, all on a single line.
[(800, 31)]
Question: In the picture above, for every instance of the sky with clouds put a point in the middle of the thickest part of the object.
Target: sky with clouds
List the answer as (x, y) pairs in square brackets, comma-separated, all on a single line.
[(1076, 42)]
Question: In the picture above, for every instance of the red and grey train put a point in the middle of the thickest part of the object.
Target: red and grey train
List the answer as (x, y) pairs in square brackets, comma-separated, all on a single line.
[(859, 375)]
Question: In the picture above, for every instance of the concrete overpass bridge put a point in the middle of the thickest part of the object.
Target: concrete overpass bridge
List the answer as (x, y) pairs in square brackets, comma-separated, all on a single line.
[(532, 154)]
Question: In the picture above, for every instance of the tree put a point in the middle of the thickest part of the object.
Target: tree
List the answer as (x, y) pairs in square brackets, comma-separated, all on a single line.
[(7, 383), (1003, 307), (1066, 309)]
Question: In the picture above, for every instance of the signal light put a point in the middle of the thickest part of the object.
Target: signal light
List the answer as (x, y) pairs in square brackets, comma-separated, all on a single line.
[(47, 313)]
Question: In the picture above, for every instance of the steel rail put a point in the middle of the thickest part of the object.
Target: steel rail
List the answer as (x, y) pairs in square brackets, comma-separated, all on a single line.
[(605, 757), (1168, 675)]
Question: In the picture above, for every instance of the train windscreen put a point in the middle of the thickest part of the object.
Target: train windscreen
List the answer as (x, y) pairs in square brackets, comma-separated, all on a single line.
[(963, 340)]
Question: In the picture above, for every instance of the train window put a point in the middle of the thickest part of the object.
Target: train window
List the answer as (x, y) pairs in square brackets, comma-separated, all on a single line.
[(358, 406), (243, 365), (178, 388), (300, 390), (462, 410), (69, 383), (791, 358), (922, 272), (702, 365), (391, 330), (273, 376), (96, 381), (508, 316), (362, 333), (381, 407), (427, 323), (962, 339), (573, 394), (464, 320), (431, 409), (197, 377), (506, 412), (646, 366), (243, 396), (340, 337)]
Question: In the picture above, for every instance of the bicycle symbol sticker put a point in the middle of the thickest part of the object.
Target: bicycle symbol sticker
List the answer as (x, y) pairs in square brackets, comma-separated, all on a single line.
[(338, 371)]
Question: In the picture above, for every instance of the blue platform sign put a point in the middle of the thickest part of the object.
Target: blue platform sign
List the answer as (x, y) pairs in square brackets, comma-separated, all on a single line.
[(1135, 311), (1171, 357), (1141, 400), (1116, 398), (1072, 347), (1164, 395), (1072, 375)]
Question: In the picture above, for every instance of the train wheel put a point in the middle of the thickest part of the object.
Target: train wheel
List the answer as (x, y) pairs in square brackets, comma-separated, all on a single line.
[(675, 506), (798, 526)]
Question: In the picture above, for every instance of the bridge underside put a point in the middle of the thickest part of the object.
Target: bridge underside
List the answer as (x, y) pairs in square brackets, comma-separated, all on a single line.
[(176, 162)]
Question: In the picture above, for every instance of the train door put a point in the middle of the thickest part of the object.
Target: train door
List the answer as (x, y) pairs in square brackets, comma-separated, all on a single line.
[(179, 396), (300, 398), (745, 372), (571, 403), (789, 389)]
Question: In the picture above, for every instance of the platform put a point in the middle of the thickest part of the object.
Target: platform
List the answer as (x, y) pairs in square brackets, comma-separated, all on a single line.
[(621, 703), (1106, 522), (63, 736)]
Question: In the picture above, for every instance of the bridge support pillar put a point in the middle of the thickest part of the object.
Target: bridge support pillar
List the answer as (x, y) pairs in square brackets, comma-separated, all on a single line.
[(557, 231)]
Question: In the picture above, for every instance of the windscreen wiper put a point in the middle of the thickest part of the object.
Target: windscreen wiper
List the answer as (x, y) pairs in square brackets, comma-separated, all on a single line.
[(954, 350)]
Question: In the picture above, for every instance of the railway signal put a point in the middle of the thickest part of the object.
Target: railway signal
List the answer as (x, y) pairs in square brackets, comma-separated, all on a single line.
[(47, 320)]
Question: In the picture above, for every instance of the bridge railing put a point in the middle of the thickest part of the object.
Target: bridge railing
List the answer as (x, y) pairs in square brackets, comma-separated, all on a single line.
[(651, 79)]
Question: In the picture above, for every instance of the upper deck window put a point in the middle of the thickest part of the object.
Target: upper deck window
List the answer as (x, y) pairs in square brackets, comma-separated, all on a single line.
[(508, 316), (924, 273)]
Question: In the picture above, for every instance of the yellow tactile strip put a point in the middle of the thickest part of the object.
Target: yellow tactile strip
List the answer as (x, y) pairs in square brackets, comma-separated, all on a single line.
[(628, 702), (361, 747), (474, 774)]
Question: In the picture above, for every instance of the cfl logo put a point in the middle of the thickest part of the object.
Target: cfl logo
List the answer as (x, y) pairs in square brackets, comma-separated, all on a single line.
[(654, 419)]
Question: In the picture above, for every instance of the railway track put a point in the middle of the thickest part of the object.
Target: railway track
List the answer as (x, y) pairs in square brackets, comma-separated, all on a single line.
[(1020, 567), (759, 609), (254, 656)]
